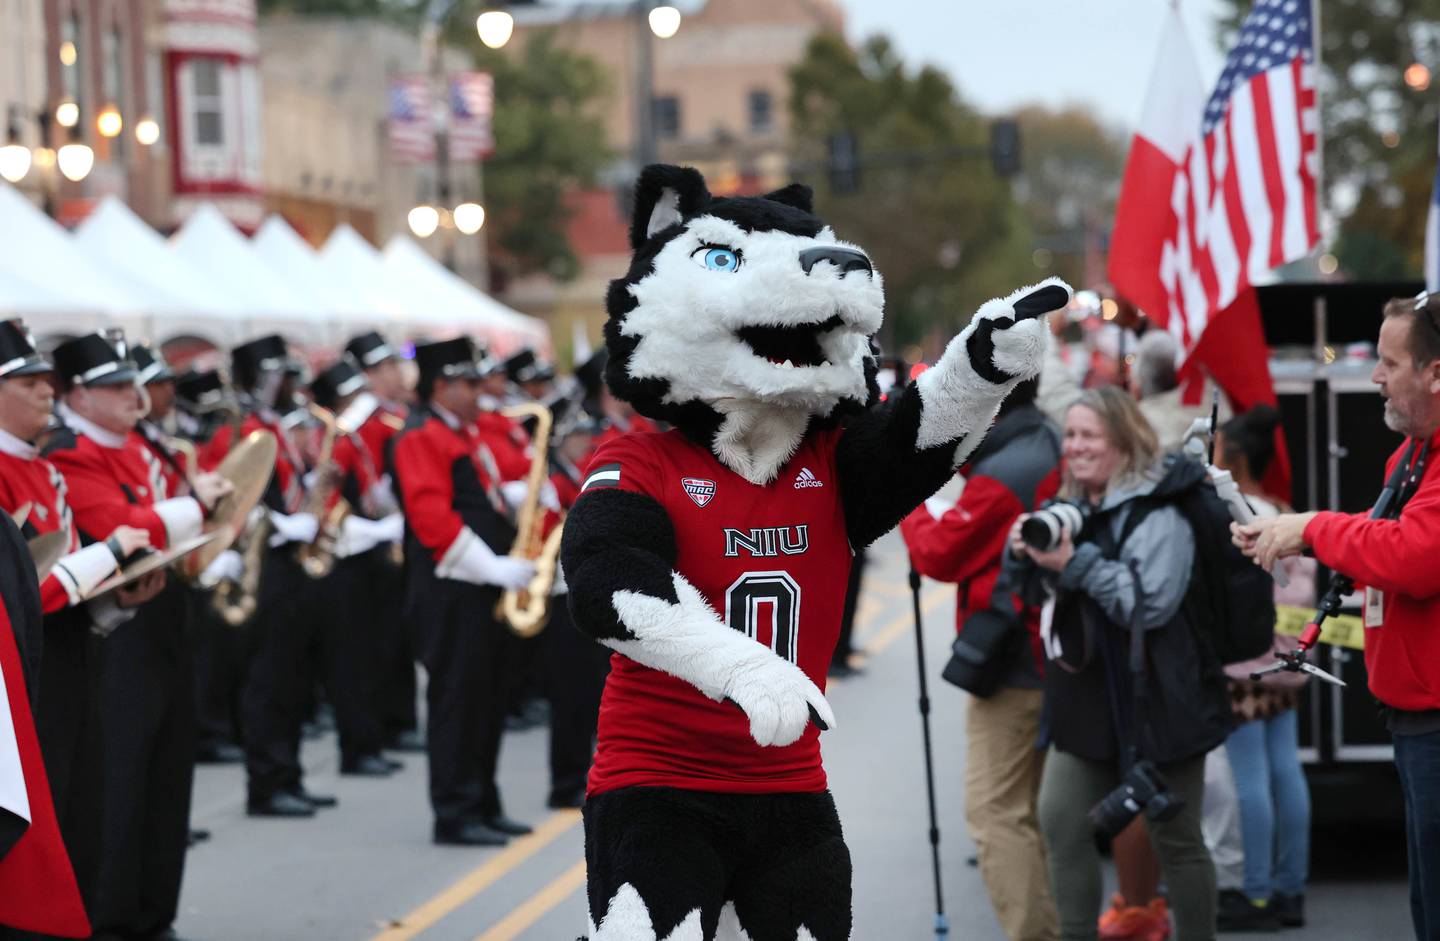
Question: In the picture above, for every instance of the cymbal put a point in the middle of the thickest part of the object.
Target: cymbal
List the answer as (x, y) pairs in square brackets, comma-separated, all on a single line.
[(47, 549), (248, 467), (21, 514), (151, 562)]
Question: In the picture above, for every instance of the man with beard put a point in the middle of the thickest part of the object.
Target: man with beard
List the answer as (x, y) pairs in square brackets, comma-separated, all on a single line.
[(1394, 559)]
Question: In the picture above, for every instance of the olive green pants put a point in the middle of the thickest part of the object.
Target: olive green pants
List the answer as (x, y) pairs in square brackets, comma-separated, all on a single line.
[(1068, 789)]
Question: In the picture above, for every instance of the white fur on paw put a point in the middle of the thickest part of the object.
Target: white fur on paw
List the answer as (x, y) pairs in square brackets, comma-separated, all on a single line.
[(628, 919), (777, 696)]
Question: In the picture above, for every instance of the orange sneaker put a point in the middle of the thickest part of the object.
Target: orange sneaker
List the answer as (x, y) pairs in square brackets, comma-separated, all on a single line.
[(1123, 922)]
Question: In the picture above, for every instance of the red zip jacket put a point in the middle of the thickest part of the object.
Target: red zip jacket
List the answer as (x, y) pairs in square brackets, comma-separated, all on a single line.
[(964, 544), (1401, 558)]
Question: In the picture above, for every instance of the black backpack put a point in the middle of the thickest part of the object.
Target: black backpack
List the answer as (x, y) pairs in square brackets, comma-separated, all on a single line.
[(1231, 600)]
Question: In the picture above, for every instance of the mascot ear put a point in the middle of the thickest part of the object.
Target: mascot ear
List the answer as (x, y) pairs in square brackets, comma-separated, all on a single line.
[(664, 196), (798, 195)]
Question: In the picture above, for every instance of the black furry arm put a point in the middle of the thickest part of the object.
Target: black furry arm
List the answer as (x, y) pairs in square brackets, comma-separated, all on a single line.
[(883, 475), (615, 541), (619, 553), (892, 457)]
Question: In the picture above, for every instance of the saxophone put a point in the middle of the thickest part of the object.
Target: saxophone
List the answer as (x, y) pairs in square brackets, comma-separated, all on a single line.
[(235, 600), (526, 611), (317, 557)]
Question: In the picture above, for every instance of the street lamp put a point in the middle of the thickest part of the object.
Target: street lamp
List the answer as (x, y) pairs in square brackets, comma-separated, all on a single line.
[(495, 28), (75, 158), (67, 114), (14, 156), (423, 220), (147, 131), (664, 21), (108, 122), (469, 217)]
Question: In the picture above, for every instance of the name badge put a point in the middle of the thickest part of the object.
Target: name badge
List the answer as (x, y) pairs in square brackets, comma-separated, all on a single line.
[(1374, 607)]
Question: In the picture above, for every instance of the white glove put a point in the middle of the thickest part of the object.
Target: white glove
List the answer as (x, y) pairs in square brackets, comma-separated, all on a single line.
[(469, 560), (228, 566), (549, 497), (296, 527), (508, 572), (514, 492), (382, 497), (358, 534)]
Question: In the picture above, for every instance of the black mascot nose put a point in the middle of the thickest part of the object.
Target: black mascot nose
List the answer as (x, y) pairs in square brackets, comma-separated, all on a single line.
[(845, 260)]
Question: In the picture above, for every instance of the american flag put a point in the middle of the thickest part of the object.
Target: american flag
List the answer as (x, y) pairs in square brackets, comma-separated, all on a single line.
[(412, 132), (472, 101), (1219, 192), (1432, 236)]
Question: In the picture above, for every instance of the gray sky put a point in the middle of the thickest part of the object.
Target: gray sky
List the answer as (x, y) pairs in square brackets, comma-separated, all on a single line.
[(1004, 53)]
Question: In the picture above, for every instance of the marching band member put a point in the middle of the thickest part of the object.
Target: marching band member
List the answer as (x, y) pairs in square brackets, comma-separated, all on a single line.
[(146, 694), (283, 628), (353, 605), (396, 657), (66, 652), (456, 565)]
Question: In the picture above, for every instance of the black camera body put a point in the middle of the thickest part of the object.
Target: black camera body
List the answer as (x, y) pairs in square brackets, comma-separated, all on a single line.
[(1042, 529), (1142, 788)]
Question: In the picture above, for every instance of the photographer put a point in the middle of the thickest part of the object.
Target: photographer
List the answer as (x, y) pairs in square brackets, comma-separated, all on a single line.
[(1394, 558), (1091, 717), (1014, 470)]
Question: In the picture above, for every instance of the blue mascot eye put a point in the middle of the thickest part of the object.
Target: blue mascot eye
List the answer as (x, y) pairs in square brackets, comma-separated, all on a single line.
[(719, 259)]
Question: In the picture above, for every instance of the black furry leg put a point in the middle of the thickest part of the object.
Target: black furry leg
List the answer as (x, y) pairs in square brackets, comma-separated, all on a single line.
[(666, 863)]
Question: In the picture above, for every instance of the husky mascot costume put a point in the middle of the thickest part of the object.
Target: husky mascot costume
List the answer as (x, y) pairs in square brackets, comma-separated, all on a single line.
[(713, 558)]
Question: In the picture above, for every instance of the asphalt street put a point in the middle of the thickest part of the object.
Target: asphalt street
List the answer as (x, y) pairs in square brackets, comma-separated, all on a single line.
[(367, 869)]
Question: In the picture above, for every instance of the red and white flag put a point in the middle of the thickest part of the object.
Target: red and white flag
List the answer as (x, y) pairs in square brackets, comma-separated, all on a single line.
[(1219, 192)]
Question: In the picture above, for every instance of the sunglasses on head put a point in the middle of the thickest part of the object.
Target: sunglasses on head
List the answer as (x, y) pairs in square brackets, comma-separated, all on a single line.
[(1422, 305)]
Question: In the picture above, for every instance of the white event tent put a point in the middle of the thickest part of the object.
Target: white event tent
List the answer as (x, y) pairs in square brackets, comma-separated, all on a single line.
[(440, 295), (217, 250), (300, 265), (348, 259), (55, 287), (183, 303)]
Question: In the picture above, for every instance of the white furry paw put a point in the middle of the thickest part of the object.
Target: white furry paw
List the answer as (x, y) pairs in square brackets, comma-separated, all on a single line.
[(779, 699), (1006, 338)]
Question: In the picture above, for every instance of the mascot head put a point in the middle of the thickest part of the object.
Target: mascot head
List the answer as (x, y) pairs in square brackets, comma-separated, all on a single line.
[(738, 306)]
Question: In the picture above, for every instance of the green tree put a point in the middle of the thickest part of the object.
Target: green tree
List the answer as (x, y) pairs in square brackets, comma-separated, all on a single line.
[(548, 141), (1379, 131), (943, 230), (1069, 180)]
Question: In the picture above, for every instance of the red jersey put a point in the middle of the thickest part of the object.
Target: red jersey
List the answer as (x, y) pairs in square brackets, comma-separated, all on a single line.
[(1395, 560), (772, 562), (286, 491)]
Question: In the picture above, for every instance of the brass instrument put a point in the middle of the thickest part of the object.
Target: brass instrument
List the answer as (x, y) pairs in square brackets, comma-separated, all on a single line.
[(526, 611), (317, 557), (190, 462), (236, 601)]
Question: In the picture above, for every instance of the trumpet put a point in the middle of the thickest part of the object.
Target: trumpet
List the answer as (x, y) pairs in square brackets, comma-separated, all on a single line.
[(317, 557), (527, 610)]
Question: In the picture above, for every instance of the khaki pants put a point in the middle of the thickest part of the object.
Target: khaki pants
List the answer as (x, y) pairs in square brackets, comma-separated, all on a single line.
[(1002, 786)]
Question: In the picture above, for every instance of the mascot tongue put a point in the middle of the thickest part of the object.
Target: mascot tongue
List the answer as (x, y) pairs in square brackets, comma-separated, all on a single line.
[(799, 345)]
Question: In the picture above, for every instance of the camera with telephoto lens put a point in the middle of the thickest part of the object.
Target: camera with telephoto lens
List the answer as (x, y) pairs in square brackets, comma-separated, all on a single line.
[(1143, 788), (1043, 527)]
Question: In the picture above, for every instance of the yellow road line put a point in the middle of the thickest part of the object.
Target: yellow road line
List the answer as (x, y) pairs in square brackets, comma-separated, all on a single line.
[(536, 906), (886, 635), (891, 588), (480, 878)]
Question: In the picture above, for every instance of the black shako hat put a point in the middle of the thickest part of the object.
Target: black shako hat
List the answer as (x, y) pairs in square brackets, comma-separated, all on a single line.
[(95, 359), (200, 392), (525, 366), (336, 381), (250, 360), (448, 359), (152, 365), (18, 356), (369, 349)]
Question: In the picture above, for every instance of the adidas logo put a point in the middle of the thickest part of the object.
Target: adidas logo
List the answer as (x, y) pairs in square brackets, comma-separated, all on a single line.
[(806, 479)]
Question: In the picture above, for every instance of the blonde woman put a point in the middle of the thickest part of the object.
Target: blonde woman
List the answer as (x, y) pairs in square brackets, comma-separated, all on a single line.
[(1131, 532)]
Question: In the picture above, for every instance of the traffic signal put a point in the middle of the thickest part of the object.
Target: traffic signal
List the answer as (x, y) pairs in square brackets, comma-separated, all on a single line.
[(843, 164), (1005, 147)]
